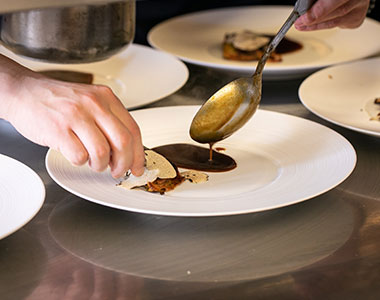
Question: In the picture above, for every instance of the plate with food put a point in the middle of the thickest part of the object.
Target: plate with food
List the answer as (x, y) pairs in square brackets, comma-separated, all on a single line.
[(347, 95), (275, 160), (232, 39), (126, 73), (22, 194)]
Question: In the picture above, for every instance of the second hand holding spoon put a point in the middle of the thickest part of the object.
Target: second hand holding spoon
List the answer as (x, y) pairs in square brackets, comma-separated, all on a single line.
[(234, 104)]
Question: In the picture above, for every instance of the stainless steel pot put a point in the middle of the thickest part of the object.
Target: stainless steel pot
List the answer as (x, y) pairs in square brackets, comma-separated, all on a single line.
[(75, 34)]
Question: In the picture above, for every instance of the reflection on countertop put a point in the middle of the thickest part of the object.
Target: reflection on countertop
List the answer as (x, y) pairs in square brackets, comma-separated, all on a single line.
[(23, 263), (211, 249)]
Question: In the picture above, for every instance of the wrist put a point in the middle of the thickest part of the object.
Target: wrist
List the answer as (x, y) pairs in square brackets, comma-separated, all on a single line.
[(7, 88), (12, 76)]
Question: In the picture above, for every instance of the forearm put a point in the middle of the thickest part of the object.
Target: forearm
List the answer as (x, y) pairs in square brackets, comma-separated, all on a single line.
[(12, 76)]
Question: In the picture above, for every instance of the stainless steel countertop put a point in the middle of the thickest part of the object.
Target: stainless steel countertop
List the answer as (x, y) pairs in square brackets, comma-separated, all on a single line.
[(324, 248)]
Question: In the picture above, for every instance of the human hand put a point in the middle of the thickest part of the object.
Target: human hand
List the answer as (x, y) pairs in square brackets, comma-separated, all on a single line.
[(325, 14), (83, 122)]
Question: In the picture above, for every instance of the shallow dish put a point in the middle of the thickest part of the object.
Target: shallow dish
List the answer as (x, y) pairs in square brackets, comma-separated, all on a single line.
[(197, 38), (22, 194), (281, 160), (345, 95)]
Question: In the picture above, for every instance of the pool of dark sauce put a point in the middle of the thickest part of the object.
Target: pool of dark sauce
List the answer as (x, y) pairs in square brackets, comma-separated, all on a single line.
[(287, 45), (194, 157)]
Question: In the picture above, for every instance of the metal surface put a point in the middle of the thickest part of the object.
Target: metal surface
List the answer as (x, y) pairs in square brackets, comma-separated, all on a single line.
[(72, 34), (18, 5), (324, 248), (233, 105)]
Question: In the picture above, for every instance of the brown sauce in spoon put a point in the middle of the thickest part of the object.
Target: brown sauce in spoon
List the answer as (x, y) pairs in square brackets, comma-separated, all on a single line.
[(194, 157)]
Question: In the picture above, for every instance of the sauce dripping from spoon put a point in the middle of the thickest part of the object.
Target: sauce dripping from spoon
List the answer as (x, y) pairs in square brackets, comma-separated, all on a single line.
[(210, 158)]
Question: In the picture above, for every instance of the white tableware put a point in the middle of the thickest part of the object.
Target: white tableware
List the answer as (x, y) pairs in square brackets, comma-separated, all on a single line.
[(22, 194), (127, 73), (345, 95), (281, 160), (197, 38)]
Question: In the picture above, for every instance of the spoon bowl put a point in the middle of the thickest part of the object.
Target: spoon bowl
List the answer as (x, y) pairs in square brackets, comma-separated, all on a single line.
[(234, 104), (227, 110)]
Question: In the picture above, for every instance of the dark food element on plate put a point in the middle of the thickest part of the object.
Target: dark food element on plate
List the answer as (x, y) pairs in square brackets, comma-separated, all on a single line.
[(377, 101), (69, 76), (160, 175), (246, 45), (164, 185), (196, 158), (163, 159), (376, 117), (220, 149)]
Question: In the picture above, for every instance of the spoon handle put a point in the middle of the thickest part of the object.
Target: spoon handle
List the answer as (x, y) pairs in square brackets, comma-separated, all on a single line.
[(300, 8)]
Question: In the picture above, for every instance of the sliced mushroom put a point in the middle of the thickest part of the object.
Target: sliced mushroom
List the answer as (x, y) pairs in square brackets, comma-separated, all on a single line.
[(155, 161)]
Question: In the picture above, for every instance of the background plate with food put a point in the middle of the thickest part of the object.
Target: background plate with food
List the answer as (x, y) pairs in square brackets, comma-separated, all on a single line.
[(198, 38)]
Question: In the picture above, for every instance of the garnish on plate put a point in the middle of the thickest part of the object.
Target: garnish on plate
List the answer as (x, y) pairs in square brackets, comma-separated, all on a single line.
[(160, 175)]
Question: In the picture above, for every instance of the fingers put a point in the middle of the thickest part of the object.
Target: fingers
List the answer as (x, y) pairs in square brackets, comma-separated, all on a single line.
[(95, 144), (321, 9), (78, 138), (127, 148), (325, 14), (73, 150), (117, 139), (121, 159), (124, 141), (137, 166)]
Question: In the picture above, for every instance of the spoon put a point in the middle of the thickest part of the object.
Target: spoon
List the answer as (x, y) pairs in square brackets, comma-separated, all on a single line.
[(234, 104)]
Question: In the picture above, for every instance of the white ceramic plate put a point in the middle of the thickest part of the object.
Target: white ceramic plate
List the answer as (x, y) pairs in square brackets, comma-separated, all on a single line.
[(197, 38), (22, 194), (138, 75), (345, 95), (281, 160)]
